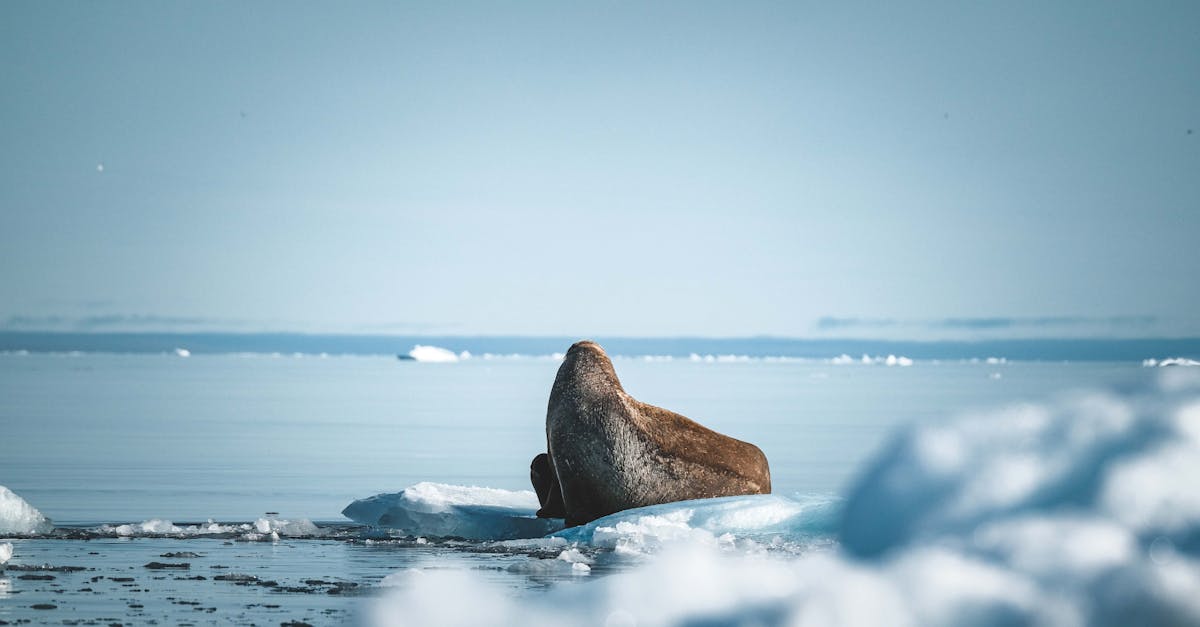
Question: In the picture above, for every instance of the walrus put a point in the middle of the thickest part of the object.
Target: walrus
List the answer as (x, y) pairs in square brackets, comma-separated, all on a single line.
[(609, 452)]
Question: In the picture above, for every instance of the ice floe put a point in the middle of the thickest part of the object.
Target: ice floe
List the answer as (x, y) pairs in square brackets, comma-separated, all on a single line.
[(711, 522), (19, 517), (435, 509)]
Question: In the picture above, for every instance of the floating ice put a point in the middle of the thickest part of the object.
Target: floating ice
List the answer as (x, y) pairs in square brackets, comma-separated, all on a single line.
[(19, 517), (421, 352), (711, 522), (302, 528), (261, 529), (183, 352), (6, 551), (1080, 511), (1170, 361), (868, 360), (568, 562), (435, 509)]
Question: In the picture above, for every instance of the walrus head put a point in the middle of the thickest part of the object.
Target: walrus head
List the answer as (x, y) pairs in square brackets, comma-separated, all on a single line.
[(585, 367)]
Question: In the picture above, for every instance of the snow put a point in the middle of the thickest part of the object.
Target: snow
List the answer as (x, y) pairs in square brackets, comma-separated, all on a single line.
[(440, 510), (1081, 510), (19, 517), (437, 354), (1126, 459)]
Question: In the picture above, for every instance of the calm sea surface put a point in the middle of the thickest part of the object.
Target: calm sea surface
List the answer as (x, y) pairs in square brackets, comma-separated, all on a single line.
[(94, 437)]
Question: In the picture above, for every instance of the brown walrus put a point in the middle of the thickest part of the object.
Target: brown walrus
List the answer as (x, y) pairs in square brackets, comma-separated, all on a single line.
[(610, 452)]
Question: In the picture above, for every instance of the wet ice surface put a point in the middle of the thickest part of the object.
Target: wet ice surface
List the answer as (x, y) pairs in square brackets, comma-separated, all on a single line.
[(80, 577), (163, 572)]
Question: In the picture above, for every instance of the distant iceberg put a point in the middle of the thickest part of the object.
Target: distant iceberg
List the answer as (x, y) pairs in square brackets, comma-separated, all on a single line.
[(421, 352), (1170, 361), (19, 517), (867, 360), (436, 509)]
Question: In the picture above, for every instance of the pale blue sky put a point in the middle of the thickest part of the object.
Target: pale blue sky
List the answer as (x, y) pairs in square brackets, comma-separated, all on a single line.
[(909, 170)]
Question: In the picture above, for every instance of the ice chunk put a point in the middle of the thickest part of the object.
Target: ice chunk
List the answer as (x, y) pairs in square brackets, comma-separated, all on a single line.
[(6, 551), (19, 517), (569, 562), (706, 521), (287, 528), (421, 352), (261, 529), (436, 509)]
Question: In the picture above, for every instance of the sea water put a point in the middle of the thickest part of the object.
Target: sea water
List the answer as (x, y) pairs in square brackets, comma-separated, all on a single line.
[(95, 440), (91, 438)]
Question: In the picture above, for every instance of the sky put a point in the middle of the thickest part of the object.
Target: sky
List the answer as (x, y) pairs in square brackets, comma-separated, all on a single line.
[(908, 170)]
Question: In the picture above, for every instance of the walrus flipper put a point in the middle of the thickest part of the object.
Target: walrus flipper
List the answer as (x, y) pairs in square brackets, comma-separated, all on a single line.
[(545, 483)]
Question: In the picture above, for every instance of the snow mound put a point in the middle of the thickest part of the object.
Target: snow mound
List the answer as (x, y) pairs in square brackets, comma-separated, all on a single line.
[(712, 522), (440, 510), (1126, 460), (19, 517)]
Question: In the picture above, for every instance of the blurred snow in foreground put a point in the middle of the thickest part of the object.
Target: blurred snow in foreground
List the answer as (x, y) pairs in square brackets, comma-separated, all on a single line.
[(1079, 511)]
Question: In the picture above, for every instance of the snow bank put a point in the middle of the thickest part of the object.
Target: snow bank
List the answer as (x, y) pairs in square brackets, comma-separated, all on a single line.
[(1126, 460), (1080, 511), (19, 517), (435, 509)]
